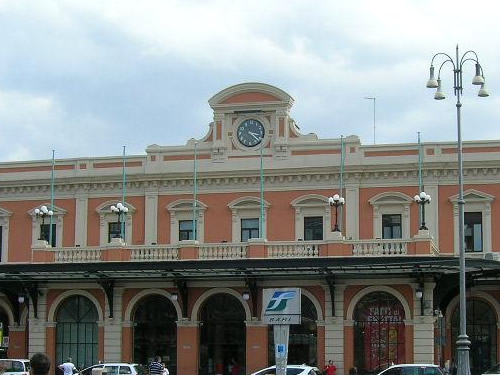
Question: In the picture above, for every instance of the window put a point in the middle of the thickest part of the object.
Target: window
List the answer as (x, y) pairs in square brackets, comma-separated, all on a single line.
[(313, 228), (391, 226), (45, 233), (249, 229), (114, 230), (391, 215), (181, 220), (473, 228), (245, 218), (186, 230)]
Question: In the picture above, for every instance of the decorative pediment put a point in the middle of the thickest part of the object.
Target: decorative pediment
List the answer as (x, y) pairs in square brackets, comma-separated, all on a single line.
[(473, 196), (105, 208), (55, 209), (4, 212), (390, 197), (247, 202), (250, 93), (185, 205), (310, 200)]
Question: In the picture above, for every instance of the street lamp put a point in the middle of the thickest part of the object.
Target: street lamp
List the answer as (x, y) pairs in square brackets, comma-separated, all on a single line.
[(119, 210), (336, 201), (422, 199), (43, 212), (463, 343)]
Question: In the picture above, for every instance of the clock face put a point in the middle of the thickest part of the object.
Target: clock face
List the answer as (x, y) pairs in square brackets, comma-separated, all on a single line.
[(250, 132)]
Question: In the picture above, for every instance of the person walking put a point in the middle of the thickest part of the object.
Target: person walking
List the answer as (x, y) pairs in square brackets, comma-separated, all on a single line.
[(156, 367), (68, 367), (330, 368), (39, 364)]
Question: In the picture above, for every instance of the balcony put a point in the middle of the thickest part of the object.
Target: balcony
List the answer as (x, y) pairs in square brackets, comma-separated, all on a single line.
[(255, 248)]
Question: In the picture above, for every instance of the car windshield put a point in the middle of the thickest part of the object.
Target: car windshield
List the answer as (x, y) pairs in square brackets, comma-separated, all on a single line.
[(139, 369), (494, 370), (289, 371), (7, 365)]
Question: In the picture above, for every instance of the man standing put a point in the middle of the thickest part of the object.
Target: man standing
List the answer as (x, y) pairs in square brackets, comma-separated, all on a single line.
[(68, 367), (156, 367), (39, 364)]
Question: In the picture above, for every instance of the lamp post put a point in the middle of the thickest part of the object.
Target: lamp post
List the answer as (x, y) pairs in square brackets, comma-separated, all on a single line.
[(43, 212), (463, 343), (336, 201), (422, 199), (119, 210)]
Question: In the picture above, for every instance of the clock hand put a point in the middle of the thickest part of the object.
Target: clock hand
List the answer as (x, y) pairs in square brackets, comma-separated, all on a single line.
[(255, 135)]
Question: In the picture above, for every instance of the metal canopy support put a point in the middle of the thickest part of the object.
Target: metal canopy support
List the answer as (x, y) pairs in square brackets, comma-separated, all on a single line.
[(181, 285), (33, 292), (330, 280), (252, 286), (108, 286)]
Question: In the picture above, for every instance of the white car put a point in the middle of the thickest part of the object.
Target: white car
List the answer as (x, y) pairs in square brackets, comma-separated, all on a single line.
[(14, 366), (116, 369), (412, 369), (290, 370)]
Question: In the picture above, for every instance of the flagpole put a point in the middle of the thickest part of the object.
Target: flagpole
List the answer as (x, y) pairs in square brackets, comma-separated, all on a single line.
[(342, 160), (262, 227), (195, 191), (52, 196), (122, 226)]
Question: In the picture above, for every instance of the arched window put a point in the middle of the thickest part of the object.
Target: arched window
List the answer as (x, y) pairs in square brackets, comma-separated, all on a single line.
[(303, 339), (155, 331), (76, 332), (482, 332), (378, 332), (222, 335)]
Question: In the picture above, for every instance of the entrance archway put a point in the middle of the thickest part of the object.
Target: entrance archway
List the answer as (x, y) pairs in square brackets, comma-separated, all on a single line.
[(222, 335), (482, 332), (303, 339), (379, 332), (76, 331), (155, 331)]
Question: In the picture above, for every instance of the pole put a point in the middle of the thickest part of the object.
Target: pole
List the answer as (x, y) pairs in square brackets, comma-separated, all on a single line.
[(420, 184), (463, 343), (124, 186), (342, 161), (51, 195), (195, 191), (262, 227)]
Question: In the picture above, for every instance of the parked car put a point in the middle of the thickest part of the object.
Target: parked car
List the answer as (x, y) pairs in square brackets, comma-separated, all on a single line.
[(412, 369), (116, 369), (15, 366), (495, 370), (290, 370)]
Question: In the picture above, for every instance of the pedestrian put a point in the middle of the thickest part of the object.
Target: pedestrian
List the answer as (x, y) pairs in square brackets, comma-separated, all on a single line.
[(39, 364), (165, 369), (68, 367), (353, 370), (156, 367), (330, 368)]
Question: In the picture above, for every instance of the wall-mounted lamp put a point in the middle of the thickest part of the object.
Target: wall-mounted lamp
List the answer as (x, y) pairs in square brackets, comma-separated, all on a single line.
[(419, 293), (246, 295), (20, 298), (438, 313), (174, 296)]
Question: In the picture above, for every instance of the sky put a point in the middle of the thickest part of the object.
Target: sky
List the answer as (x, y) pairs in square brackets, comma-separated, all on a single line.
[(87, 77)]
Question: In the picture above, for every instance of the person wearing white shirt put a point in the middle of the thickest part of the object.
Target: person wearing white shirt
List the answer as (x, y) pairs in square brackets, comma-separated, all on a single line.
[(68, 367)]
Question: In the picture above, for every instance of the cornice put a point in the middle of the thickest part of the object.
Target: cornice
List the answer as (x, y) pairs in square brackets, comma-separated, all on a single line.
[(278, 179)]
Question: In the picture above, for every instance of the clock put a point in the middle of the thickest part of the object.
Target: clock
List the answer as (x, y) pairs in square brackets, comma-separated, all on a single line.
[(250, 132)]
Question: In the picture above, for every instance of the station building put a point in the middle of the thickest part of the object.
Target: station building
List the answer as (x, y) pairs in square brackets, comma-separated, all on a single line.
[(212, 223)]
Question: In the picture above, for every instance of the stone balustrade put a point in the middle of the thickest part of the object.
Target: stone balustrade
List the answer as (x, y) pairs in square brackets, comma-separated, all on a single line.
[(256, 248)]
